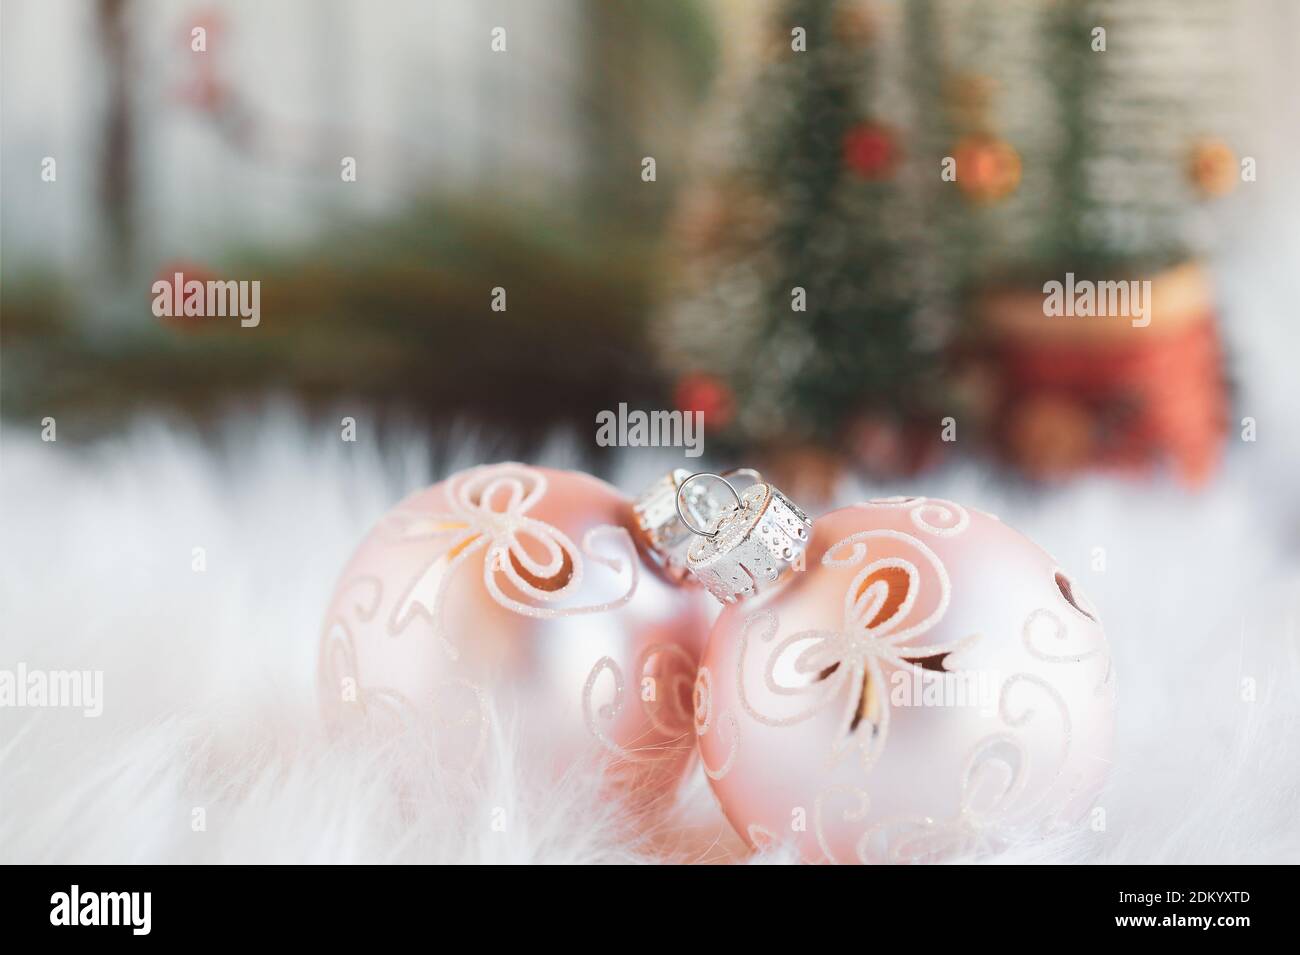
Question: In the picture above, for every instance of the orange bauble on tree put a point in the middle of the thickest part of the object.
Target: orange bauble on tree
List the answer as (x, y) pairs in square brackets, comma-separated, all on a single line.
[(1212, 168), (988, 168)]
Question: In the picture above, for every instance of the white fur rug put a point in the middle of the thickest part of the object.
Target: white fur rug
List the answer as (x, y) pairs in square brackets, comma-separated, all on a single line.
[(210, 710)]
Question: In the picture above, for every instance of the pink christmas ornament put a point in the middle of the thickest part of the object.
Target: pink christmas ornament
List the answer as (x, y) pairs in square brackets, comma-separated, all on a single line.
[(520, 592), (931, 686)]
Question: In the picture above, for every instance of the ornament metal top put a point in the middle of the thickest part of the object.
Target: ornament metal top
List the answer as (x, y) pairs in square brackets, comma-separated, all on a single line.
[(658, 511), (751, 545)]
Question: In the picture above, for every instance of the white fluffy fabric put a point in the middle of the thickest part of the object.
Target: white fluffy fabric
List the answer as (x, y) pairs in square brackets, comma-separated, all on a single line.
[(209, 677)]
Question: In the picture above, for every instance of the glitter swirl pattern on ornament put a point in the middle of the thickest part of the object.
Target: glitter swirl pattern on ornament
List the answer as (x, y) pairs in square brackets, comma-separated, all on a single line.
[(780, 706)]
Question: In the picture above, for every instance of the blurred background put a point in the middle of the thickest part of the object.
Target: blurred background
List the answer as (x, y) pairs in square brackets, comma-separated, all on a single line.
[(802, 267), (798, 267)]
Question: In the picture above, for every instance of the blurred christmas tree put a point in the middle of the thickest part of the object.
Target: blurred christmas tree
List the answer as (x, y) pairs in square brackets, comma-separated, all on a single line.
[(805, 316), (899, 181), (1091, 130), (1118, 114)]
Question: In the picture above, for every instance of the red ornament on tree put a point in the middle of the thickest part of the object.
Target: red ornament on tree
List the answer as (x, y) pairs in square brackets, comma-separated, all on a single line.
[(708, 394), (180, 295), (870, 151)]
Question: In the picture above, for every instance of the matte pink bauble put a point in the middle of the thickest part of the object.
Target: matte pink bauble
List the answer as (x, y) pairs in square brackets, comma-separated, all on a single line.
[(518, 593), (932, 686)]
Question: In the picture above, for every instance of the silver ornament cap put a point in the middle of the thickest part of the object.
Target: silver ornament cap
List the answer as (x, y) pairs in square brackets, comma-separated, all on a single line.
[(661, 522), (664, 534), (750, 547)]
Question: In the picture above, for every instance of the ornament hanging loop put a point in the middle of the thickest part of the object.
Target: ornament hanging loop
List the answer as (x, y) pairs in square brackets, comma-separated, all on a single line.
[(660, 514), (681, 513)]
